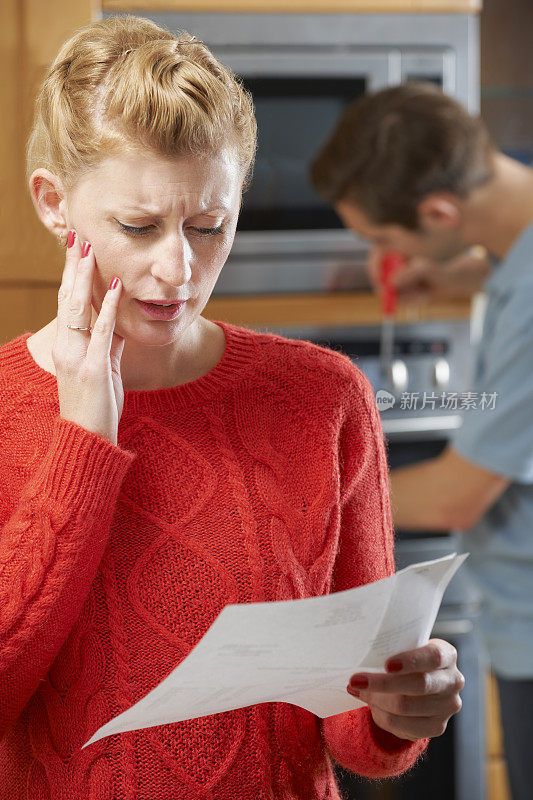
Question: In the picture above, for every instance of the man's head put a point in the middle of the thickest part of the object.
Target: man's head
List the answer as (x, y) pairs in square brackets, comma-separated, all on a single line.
[(400, 167)]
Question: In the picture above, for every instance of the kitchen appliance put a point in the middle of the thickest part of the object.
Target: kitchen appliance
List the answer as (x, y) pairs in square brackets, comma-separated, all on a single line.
[(393, 370), (302, 70), (418, 423)]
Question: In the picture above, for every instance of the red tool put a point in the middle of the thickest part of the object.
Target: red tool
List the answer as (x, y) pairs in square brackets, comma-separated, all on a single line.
[(388, 266)]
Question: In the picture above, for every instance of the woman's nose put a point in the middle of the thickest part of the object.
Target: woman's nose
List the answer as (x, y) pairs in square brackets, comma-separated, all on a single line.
[(173, 262)]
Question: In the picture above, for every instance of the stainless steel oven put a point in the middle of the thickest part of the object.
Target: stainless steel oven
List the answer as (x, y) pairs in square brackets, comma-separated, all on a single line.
[(302, 70), (418, 422)]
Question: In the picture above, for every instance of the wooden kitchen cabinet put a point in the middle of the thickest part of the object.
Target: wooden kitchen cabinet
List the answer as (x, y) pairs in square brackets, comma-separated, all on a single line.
[(281, 6), (497, 780), (30, 34)]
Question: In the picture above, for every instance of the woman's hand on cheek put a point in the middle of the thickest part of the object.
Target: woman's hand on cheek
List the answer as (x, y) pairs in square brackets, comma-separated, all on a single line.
[(417, 700)]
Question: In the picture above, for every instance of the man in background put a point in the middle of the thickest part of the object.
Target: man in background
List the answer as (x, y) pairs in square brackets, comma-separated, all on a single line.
[(410, 170)]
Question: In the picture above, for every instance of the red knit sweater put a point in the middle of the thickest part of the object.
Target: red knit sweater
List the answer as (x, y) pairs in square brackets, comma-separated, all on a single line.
[(265, 479)]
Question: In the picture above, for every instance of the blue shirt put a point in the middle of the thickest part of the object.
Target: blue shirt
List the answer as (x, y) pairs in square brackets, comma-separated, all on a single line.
[(500, 439)]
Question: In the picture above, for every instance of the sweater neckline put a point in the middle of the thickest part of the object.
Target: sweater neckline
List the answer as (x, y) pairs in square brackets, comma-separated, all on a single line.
[(239, 354)]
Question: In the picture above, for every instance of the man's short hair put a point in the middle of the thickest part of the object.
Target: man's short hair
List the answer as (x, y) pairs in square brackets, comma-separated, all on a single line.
[(392, 148)]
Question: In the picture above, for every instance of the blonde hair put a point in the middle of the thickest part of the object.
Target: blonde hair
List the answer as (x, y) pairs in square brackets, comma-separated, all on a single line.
[(124, 83)]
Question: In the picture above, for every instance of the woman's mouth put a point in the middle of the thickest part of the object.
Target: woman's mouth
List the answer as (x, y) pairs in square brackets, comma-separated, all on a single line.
[(161, 312)]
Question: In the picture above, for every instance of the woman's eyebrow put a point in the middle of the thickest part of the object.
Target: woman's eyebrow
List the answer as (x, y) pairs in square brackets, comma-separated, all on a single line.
[(152, 212)]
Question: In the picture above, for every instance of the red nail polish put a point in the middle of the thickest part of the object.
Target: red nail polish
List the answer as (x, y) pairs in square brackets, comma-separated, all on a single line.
[(358, 682), (353, 692), (85, 249), (114, 283), (394, 666), (71, 238)]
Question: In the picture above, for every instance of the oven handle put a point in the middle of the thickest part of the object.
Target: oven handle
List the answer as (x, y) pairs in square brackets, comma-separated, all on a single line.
[(452, 627), (427, 426)]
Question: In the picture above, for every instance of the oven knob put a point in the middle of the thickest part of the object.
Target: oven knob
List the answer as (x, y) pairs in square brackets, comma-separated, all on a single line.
[(398, 376), (440, 373)]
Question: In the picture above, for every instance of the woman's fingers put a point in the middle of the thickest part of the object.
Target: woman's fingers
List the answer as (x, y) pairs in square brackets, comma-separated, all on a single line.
[(418, 671), (100, 345), (68, 280), (416, 716), (443, 703), (436, 654), (411, 728), (418, 695), (418, 684), (89, 383), (415, 694)]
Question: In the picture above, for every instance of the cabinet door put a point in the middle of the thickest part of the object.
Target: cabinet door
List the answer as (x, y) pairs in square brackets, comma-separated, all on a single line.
[(31, 33)]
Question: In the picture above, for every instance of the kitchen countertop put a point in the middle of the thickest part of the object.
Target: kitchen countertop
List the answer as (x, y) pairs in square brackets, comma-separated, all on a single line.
[(324, 308)]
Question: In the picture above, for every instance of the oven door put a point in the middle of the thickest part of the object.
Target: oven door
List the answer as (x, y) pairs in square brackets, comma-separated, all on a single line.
[(411, 547), (287, 236), (454, 766), (299, 94)]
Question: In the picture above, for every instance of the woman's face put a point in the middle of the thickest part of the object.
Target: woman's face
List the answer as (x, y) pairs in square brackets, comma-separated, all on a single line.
[(165, 227)]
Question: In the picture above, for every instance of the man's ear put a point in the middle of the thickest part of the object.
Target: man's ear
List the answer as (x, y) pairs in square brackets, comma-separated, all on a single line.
[(46, 191), (439, 212)]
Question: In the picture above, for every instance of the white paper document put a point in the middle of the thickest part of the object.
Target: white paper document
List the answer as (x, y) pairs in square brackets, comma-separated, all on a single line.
[(296, 651)]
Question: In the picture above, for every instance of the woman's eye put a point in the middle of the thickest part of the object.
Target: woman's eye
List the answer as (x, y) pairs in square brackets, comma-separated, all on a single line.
[(209, 231), (131, 231)]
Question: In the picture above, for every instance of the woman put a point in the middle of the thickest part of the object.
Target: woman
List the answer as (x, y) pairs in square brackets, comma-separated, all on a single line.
[(157, 465)]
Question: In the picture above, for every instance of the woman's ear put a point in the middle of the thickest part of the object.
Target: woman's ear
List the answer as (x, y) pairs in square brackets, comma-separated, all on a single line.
[(439, 212), (46, 191)]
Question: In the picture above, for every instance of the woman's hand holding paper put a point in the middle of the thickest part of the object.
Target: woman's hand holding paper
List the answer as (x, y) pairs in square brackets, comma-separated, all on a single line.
[(418, 694)]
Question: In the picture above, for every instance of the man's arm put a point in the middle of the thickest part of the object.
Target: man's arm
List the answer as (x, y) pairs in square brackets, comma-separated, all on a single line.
[(443, 493)]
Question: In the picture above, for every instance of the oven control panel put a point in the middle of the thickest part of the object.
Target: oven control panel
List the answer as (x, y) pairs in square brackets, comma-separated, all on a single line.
[(428, 387)]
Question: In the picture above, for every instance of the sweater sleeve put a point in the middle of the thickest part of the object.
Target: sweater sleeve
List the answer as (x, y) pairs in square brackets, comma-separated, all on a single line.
[(50, 549), (365, 554)]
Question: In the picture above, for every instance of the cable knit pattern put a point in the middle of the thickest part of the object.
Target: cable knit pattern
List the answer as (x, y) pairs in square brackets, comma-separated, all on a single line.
[(265, 479)]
